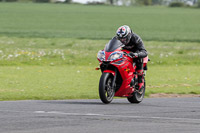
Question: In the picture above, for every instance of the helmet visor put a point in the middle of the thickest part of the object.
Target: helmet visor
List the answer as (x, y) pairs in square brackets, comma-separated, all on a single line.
[(124, 40)]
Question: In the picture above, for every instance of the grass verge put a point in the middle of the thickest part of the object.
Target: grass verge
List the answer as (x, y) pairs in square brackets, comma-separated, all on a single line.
[(81, 82)]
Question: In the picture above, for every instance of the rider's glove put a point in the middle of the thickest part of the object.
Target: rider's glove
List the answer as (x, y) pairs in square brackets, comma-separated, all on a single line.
[(133, 55)]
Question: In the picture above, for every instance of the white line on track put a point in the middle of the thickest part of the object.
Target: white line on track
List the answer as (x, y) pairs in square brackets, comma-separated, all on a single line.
[(120, 116), (191, 120)]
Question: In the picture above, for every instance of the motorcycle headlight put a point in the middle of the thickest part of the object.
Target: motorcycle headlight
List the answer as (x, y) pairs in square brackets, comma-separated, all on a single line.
[(101, 55), (115, 56)]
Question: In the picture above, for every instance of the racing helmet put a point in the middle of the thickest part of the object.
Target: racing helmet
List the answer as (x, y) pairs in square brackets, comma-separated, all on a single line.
[(124, 34)]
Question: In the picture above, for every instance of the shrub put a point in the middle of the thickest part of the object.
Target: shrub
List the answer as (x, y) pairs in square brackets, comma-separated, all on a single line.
[(68, 1), (198, 4), (144, 2), (157, 2), (95, 3), (9, 0), (147, 2), (176, 4), (41, 1), (24, 0)]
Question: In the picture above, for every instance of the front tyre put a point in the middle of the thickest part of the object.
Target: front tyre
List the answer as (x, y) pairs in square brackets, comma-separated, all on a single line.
[(106, 92), (138, 95)]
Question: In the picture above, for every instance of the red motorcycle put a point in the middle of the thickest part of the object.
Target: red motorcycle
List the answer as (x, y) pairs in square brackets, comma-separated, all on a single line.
[(119, 77)]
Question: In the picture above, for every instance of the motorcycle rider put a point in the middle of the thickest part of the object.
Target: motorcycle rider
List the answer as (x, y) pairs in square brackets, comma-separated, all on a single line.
[(132, 42)]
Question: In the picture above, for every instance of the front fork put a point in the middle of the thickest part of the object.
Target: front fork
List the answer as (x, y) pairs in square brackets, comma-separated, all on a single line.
[(114, 73), (114, 80)]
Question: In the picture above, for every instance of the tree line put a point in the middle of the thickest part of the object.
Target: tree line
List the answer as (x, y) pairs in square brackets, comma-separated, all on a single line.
[(172, 3)]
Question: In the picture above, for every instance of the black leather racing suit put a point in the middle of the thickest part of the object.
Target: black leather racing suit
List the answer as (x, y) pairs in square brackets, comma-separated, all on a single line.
[(136, 45)]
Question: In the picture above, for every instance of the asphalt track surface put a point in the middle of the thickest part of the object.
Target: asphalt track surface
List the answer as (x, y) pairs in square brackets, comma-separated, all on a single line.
[(153, 115)]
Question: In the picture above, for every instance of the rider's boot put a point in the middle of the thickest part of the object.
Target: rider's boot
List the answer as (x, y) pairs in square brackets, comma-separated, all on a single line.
[(140, 79)]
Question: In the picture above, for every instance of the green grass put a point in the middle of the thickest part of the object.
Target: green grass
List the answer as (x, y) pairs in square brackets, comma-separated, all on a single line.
[(38, 68), (65, 51), (81, 82), (48, 51), (49, 82), (98, 22), (180, 79)]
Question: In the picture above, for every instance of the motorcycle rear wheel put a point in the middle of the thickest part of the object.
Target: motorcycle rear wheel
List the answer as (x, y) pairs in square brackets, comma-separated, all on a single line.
[(106, 92), (138, 95)]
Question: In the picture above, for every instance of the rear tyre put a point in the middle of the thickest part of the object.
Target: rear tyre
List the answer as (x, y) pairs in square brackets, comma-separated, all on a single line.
[(106, 92), (138, 95)]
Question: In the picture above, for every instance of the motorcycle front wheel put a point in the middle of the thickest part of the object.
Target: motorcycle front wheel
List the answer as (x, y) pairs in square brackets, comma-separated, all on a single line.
[(138, 95), (106, 92)]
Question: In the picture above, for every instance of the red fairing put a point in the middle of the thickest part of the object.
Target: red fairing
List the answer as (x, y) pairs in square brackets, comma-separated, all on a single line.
[(109, 71), (107, 55), (126, 70)]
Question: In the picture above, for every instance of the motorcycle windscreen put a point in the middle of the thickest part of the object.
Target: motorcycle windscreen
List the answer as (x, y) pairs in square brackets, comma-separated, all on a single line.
[(113, 45)]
